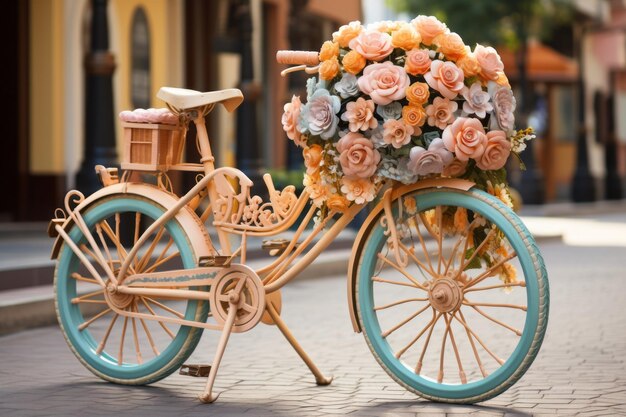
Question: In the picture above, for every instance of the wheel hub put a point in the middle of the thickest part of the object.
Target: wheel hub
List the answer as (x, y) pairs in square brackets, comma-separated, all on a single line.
[(116, 298), (445, 295)]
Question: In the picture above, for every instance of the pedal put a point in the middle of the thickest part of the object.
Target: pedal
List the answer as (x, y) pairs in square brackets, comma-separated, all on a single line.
[(195, 370), (276, 246), (214, 261)]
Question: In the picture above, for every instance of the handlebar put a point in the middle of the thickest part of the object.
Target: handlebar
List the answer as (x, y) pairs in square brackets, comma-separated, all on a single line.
[(297, 57)]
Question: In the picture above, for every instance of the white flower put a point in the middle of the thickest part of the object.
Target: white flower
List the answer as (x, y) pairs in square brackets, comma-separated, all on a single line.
[(390, 111), (347, 87), (476, 101)]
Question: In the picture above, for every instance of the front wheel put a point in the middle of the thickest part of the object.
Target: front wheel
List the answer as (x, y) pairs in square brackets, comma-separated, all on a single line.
[(460, 314), (117, 348)]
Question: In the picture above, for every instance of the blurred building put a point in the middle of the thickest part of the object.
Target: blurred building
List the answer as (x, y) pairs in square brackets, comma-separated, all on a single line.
[(183, 43)]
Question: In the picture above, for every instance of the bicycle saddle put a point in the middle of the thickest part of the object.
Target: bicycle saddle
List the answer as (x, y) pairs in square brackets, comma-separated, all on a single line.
[(183, 99)]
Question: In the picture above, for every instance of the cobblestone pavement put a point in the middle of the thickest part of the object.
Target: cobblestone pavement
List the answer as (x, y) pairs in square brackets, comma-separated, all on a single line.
[(579, 371)]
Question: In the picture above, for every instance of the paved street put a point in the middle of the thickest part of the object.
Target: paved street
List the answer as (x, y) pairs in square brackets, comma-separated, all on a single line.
[(581, 368)]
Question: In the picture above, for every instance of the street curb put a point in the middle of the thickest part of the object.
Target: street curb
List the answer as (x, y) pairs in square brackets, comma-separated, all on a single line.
[(33, 307)]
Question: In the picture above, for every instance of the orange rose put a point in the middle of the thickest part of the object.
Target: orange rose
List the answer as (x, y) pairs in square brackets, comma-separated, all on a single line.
[(406, 37), (353, 62), (414, 116), (312, 158), (469, 64), (329, 69), (417, 62), (329, 50), (337, 203), (347, 32), (451, 45), (429, 27), (417, 93)]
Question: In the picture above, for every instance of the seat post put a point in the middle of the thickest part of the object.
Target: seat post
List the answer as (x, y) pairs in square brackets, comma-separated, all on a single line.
[(208, 161)]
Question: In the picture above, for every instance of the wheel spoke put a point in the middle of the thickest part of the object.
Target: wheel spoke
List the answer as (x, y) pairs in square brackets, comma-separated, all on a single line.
[(114, 236), (166, 308), (79, 277), (145, 328), (501, 305), (489, 271), (471, 340), (167, 330), (464, 237), (395, 303), (106, 335), (402, 271), (456, 352), (137, 227), (492, 287), (493, 355), (161, 262), (84, 297), (120, 355), (439, 216), (104, 245), (84, 325), (412, 255), (443, 348), (388, 281), (416, 338), (404, 321), (422, 242), (136, 340), (491, 234), (418, 367), (487, 316), (146, 257)]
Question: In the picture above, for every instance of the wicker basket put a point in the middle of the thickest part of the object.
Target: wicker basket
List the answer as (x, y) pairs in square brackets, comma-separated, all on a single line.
[(151, 146)]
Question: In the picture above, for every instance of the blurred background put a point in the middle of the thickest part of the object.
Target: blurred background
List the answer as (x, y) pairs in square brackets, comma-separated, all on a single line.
[(72, 65)]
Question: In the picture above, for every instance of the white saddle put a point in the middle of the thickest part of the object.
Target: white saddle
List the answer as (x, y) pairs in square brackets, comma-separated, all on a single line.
[(182, 98)]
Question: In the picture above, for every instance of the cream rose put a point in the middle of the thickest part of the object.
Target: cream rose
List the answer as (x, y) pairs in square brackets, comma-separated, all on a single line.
[(466, 138), (372, 45), (384, 82), (496, 152), (357, 156)]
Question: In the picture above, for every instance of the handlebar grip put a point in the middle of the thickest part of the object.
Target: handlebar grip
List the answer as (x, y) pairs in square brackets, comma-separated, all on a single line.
[(297, 57)]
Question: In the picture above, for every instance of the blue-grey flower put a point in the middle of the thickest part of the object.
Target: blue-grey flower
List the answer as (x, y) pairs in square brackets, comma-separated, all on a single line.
[(319, 115), (347, 87), (392, 110), (311, 86)]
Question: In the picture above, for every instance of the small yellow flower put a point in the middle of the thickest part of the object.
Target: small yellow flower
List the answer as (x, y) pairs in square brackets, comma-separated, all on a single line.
[(410, 205), (460, 219)]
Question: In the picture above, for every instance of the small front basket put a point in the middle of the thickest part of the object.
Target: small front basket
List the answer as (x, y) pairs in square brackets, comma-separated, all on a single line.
[(151, 146)]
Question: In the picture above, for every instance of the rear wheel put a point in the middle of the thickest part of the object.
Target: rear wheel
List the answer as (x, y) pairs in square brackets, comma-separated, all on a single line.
[(460, 315), (117, 348)]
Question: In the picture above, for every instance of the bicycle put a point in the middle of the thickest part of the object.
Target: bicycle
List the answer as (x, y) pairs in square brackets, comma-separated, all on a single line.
[(167, 271)]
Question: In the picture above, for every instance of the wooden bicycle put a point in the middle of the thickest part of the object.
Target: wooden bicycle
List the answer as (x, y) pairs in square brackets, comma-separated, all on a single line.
[(134, 260)]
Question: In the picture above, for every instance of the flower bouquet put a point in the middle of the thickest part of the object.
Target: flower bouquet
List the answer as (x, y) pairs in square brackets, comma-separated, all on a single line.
[(403, 101)]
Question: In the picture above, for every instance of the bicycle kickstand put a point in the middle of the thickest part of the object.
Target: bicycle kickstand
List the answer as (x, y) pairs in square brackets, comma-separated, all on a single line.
[(207, 396)]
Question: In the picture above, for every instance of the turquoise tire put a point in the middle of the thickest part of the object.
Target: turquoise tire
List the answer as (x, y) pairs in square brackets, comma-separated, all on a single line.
[(70, 316), (537, 294)]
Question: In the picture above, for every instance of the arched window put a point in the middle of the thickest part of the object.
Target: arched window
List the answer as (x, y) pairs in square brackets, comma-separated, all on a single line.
[(140, 60)]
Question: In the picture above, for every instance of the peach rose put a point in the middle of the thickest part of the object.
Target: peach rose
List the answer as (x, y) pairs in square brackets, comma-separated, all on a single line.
[(360, 115), (406, 37), (490, 62), (418, 93), (455, 168), (290, 120), (469, 65), (441, 112), (466, 138), (450, 45), (496, 152), (503, 80), (384, 82), (397, 133), (359, 190), (353, 62), (329, 49), (337, 203), (446, 78), (429, 27), (329, 68), (312, 158), (417, 61), (414, 116), (357, 156), (372, 45), (347, 32)]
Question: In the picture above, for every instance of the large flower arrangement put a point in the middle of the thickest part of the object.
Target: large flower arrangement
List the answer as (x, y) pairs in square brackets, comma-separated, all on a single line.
[(403, 101)]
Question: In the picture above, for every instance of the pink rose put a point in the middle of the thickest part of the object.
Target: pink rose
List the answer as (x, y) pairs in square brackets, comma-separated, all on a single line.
[(431, 161), (429, 27), (446, 78), (504, 106), (384, 82), (372, 45), (397, 133), (290, 120), (455, 168), (417, 61), (496, 152), (360, 115), (466, 138), (489, 61), (357, 156), (441, 112)]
